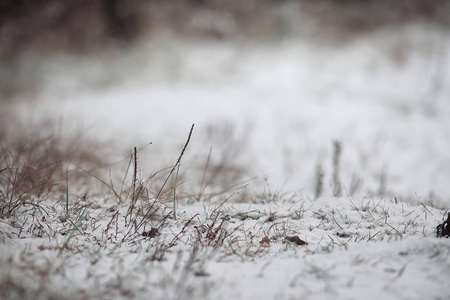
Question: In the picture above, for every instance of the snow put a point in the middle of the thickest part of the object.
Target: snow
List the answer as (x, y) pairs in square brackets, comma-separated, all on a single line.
[(273, 109), (357, 248), (288, 102)]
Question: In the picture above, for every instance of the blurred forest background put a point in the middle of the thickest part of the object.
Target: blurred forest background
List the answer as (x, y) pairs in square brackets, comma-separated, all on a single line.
[(42, 28)]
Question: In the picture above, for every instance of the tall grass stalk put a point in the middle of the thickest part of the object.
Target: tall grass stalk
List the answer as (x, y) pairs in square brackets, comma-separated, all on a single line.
[(337, 151), (67, 192), (175, 194), (167, 179), (319, 181)]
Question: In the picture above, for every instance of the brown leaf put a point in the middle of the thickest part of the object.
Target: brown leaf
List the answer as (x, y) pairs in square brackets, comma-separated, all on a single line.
[(296, 239)]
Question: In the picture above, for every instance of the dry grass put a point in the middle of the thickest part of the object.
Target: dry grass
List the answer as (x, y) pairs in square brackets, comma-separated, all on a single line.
[(43, 165), (34, 162), (125, 232)]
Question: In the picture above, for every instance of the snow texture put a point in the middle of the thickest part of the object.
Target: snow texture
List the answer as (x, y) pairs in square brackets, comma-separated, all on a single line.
[(275, 111)]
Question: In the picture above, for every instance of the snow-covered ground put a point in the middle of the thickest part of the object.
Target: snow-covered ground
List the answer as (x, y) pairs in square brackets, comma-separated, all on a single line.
[(273, 110), (357, 248)]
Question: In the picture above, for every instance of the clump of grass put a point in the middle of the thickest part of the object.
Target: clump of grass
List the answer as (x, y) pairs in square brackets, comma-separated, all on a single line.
[(160, 192), (36, 166), (133, 215), (35, 163)]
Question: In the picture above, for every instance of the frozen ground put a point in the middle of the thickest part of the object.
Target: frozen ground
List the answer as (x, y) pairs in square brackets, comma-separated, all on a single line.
[(356, 249), (272, 111)]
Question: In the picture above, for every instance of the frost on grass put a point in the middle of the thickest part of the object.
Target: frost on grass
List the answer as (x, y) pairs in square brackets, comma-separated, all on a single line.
[(129, 240), (352, 247)]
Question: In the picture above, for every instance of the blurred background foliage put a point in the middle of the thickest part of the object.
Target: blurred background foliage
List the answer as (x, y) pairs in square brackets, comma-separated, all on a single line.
[(83, 27)]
